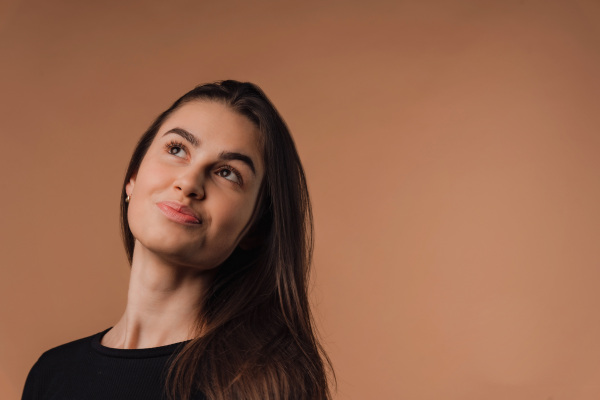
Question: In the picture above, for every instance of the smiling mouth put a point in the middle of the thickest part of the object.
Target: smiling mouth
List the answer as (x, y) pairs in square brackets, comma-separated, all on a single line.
[(179, 213)]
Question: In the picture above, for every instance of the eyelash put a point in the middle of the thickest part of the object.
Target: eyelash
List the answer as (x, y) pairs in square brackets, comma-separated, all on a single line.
[(175, 144), (233, 171)]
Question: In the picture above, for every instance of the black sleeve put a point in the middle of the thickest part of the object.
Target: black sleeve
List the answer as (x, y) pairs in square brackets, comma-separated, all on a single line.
[(31, 390)]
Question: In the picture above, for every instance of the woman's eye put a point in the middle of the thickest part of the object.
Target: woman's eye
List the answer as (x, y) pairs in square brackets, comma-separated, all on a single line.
[(176, 150), (230, 175)]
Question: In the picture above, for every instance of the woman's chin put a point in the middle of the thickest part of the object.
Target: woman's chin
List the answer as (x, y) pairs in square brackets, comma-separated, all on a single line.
[(178, 255)]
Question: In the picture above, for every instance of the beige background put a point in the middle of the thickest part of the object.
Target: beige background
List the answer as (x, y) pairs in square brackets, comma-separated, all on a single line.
[(452, 151)]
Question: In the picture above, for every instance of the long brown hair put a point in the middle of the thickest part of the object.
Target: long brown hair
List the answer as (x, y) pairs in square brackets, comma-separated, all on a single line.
[(256, 336)]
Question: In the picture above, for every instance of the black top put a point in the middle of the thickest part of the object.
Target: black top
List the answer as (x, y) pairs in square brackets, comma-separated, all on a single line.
[(85, 369)]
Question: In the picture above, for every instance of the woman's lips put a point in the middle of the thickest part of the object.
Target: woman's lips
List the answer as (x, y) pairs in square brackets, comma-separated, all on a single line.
[(178, 212)]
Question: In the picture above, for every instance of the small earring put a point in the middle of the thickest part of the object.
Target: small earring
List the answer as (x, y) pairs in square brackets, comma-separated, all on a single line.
[(127, 199)]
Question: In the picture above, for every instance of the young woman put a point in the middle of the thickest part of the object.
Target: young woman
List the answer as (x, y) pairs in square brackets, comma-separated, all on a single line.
[(217, 225)]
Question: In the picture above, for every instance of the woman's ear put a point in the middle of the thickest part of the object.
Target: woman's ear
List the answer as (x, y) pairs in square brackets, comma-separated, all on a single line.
[(130, 184)]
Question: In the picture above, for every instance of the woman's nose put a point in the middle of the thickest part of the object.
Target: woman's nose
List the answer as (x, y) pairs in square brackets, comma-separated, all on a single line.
[(191, 183)]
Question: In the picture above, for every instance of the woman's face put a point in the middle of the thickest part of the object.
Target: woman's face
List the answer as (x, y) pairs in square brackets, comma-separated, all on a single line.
[(193, 196)]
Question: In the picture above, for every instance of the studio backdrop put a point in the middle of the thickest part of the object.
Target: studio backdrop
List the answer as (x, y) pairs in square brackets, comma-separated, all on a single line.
[(452, 151)]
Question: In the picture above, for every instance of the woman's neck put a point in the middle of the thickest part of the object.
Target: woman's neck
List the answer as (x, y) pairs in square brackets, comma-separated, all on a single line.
[(163, 304)]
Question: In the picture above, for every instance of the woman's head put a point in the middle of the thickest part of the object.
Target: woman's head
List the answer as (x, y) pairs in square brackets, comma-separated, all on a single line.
[(193, 195), (280, 225)]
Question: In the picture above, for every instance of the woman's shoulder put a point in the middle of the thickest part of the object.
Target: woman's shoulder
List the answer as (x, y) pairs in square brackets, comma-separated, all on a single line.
[(64, 352), (52, 366)]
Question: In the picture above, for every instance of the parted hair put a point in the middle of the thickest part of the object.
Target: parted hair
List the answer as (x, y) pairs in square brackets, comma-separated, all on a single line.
[(256, 337)]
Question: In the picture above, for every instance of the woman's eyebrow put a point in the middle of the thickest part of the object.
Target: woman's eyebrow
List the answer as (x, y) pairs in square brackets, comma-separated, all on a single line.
[(184, 134), (229, 155), (225, 155)]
